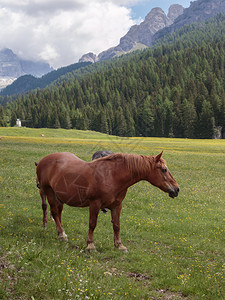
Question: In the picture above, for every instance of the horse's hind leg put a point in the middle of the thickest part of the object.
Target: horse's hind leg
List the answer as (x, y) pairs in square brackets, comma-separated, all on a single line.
[(60, 208), (44, 208), (56, 210), (51, 217)]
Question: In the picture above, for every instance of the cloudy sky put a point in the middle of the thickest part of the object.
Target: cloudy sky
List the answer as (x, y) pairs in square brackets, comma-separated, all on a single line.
[(61, 31)]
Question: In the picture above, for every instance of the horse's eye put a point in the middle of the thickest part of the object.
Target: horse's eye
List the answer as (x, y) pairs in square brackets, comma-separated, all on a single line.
[(164, 170)]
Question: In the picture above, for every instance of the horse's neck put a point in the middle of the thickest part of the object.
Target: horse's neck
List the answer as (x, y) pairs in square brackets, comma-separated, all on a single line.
[(137, 169)]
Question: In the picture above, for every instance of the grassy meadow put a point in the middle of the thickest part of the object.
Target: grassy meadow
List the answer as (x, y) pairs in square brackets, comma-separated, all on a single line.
[(176, 246)]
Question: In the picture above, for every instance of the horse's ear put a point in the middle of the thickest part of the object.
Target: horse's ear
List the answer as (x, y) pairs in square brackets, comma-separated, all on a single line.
[(36, 163), (157, 158)]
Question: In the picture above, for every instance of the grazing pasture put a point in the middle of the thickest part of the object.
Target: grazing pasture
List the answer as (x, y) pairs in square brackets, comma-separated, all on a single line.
[(176, 246)]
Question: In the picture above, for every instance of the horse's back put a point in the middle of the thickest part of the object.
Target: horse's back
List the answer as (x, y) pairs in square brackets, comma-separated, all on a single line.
[(56, 164), (59, 155)]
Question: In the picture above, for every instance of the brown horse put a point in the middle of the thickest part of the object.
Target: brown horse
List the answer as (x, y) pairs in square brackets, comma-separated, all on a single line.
[(96, 155), (102, 183)]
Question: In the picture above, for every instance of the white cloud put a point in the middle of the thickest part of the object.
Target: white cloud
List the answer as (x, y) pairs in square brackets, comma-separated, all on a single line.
[(61, 31), (127, 2)]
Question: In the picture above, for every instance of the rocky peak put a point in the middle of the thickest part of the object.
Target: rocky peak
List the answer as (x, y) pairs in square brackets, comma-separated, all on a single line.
[(198, 11), (154, 13), (12, 67), (7, 53), (89, 57), (9, 63), (140, 36), (175, 10), (155, 20)]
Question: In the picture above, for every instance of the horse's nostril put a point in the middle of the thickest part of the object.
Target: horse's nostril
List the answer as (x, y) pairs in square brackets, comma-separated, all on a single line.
[(178, 190)]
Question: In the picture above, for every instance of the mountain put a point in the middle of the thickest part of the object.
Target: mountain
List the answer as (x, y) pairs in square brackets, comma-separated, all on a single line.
[(174, 89), (157, 25), (198, 11), (89, 57), (12, 67), (155, 28), (139, 36), (26, 83)]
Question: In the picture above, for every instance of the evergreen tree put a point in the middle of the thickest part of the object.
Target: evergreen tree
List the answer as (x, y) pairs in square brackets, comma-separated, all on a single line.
[(189, 119), (206, 121), (103, 122), (145, 126), (120, 127), (168, 117), (68, 122), (13, 119), (56, 122), (2, 117)]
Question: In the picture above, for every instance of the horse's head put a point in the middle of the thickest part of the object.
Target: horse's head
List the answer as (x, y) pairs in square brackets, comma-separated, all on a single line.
[(161, 177)]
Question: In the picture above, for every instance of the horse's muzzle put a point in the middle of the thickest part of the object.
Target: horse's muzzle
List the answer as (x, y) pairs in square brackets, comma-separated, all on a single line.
[(174, 193)]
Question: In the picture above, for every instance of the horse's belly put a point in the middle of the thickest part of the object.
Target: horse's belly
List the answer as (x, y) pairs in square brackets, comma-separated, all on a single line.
[(78, 198), (72, 189)]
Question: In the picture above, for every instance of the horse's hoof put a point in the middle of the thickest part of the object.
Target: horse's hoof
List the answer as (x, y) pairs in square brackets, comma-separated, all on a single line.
[(63, 237), (123, 249), (91, 247)]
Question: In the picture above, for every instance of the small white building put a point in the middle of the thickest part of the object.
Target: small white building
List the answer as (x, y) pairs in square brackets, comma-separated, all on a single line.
[(18, 123)]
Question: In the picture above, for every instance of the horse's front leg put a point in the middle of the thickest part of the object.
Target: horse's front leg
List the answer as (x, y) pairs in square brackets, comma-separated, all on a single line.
[(115, 213), (93, 216)]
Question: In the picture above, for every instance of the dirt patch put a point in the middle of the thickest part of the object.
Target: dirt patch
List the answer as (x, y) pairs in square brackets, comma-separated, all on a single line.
[(7, 276), (168, 295), (138, 276)]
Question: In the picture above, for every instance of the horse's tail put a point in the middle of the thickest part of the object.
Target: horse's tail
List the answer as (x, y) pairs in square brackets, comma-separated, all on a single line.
[(38, 184), (37, 181)]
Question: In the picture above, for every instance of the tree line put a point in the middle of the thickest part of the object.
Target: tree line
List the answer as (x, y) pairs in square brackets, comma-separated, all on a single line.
[(175, 89)]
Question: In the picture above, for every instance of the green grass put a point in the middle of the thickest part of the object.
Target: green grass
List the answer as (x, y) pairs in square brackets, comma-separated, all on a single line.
[(176, 246)]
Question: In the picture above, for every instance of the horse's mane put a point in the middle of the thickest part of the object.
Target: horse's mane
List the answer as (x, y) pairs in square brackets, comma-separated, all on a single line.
[(136, 164)]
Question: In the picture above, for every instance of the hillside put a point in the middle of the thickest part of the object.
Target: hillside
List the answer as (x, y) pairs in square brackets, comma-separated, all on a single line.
[(173, 90)]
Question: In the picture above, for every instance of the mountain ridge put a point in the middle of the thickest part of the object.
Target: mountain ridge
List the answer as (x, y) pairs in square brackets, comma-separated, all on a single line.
[(161, 25), (141, 34), (198, 11), (29, 82), (174, 89), (12, 67)]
